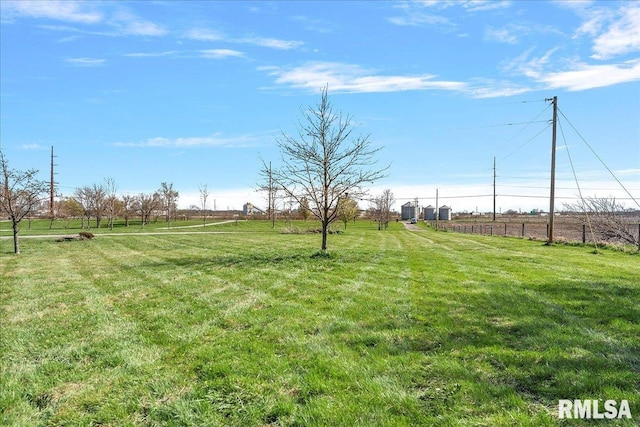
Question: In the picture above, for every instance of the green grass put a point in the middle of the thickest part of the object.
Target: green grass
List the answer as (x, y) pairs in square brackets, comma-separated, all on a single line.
[(249, 328)]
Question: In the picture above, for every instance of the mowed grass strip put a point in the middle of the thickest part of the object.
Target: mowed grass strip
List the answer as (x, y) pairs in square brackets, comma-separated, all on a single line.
[(394, 328)]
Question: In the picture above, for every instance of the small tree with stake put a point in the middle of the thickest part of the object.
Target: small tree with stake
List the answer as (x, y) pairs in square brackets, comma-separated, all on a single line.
[(20, 194), (325, 162)]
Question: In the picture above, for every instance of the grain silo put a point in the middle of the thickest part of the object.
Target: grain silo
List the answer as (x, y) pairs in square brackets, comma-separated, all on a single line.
[(429, 213), (409, 210), (444, 213)]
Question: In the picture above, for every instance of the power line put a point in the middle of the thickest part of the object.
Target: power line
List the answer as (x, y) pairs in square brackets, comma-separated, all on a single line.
[(525, 143), (505, 124), (601, 161)]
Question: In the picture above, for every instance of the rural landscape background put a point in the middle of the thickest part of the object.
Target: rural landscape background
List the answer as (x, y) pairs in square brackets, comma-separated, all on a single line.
[(228, 213), (238, 323)]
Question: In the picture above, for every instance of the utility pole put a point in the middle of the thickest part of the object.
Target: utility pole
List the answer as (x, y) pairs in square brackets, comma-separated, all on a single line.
[(554, 100), (437, 210), (51, 188), (494, 188)]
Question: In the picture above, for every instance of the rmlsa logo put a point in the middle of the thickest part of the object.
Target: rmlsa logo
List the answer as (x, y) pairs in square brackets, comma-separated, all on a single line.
[(591, 409)]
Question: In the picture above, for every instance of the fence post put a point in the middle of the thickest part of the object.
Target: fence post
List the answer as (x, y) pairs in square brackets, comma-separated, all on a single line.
[(584, 233), (639, 237), (491, 230), (523, 230), (505, 228)]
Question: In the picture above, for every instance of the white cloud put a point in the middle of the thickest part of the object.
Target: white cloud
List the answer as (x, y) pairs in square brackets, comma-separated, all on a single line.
[(353, 78), (216, 140), (34, 147), (507, 34), (613, 32), (220, 53), (120, 20), (271, 43), (204, 34), (151, 54), (85, 62), (68, 11), (416, 14), (314, 24), (128, 23), (421, 19), (470, 5), (482, 88), (530, 67), (622, 36), (143, 28), (628, 172), (585, 76), (484, 5)]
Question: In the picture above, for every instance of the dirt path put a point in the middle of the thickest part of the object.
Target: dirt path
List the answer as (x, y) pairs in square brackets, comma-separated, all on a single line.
[(412, 227)]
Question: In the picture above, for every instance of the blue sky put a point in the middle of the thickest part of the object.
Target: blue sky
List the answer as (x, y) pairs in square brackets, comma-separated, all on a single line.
[(196, 93)]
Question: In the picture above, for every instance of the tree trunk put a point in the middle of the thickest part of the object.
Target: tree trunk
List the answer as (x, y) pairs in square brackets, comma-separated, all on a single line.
[(325, 229), (16, 245)]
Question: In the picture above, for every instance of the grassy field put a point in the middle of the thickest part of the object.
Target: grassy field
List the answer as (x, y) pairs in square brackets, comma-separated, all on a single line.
[(247, 327)]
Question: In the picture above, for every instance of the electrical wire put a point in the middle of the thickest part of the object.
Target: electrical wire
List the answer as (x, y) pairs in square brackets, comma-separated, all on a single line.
[(600, 159), (534, 120), (566, 146)]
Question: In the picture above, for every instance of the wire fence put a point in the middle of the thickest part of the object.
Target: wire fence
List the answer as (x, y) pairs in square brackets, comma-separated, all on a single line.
[(565, 229)]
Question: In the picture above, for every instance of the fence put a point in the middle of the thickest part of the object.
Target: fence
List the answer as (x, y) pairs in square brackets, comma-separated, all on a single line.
[(570, 229)]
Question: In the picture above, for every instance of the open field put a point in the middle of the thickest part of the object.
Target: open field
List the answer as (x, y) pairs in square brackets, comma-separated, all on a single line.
[(248, 327), (567, 228)]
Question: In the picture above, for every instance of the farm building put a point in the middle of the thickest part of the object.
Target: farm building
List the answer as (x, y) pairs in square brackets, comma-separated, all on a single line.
[(429, 213), (444, 213), (409, 210)]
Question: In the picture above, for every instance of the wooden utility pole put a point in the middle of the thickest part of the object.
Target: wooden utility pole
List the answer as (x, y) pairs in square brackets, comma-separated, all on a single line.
[(51, 189), (552, 196), (494, 188), (437, 210)]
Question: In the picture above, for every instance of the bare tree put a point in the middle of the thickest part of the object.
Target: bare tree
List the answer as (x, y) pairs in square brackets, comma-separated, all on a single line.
[(110, 188), (606, 218), (97, 202), (20, 195), (68, 209), (129, 207), (93, 200), (147, 203), (168, 197), (382, 210), (82, 196), (269, 186), (204, 195), (325, 162)]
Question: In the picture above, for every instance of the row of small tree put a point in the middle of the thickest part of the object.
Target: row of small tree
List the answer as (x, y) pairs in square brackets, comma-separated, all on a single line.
[(22, 195), (98, 201)]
